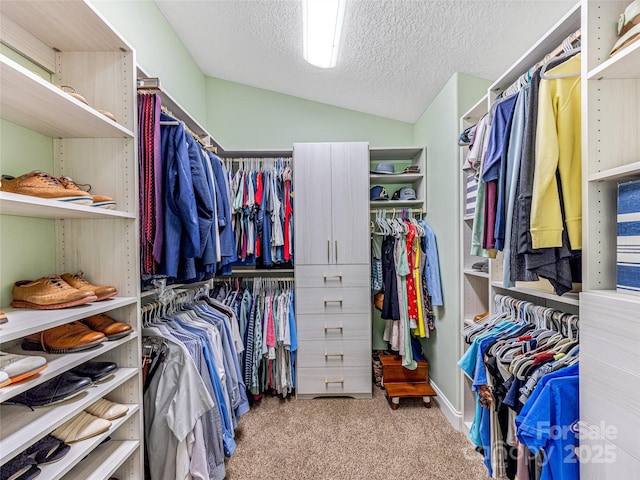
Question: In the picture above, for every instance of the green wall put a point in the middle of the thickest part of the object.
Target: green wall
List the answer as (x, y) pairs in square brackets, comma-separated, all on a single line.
[(438, 129), (159, 51), (240, 117)]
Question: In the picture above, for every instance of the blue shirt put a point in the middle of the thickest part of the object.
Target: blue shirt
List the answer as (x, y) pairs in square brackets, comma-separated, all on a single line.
[(500, 128), (432, 268), (551, 424)]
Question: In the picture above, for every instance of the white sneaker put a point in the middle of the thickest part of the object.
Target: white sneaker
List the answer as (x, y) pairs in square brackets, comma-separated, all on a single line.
[(4, 379), (18, 367)]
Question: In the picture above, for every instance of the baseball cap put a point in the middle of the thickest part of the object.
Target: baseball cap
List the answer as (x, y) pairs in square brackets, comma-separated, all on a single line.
[(386, 168), (405, 193), (378, 192)]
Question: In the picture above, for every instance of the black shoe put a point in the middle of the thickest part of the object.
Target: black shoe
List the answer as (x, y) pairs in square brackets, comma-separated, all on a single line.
[(55, 390), (21, 467), (48, 449), (95, 370)]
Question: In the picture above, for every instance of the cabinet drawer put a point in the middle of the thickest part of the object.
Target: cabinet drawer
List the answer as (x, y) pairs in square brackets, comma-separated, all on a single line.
[(334, 381), (333, 300), (312, 276), (329, 326), (334, 353)]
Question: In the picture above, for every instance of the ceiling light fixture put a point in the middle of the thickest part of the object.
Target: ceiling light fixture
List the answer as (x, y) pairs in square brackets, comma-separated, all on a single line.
[(322, 26)]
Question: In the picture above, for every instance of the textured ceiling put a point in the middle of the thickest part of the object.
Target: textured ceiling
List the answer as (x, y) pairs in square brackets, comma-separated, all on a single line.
[(396, 55)]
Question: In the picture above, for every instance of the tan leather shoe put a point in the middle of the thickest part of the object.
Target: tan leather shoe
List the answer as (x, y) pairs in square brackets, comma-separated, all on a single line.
[(77, 280), (111, 328), (100, 201), (42, 185), (48, 293), (106, 409), (82, 426), (3, 317), (67, 338)]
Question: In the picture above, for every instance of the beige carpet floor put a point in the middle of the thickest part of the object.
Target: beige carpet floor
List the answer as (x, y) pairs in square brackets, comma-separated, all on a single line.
[(344, 439)]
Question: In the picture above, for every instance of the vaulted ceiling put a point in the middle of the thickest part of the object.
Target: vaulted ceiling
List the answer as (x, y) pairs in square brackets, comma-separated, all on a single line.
[(396, 55)]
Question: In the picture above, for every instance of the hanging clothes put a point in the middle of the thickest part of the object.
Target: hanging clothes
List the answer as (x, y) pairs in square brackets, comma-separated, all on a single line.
[(512, 355), (267, 330), (262, 205), (186, 227), (525, 153), (407, 271)]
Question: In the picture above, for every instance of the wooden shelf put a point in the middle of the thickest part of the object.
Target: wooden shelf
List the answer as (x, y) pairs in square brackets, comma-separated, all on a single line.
[(567, 298), (624, 172), (391, 204), (57, 364), (624, 64), (23, 321), (476, 273), (26, 206), (104, 460), (90, 31), (632, 300), (468, 219), (377, 178), (30, 101), (390, 154), (80, 450), (22, 426)]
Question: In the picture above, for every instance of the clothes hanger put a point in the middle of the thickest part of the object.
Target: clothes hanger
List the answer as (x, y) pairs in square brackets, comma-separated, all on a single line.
[(563, 55)]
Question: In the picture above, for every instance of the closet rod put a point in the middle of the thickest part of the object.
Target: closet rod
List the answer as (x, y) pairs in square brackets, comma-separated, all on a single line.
[(515, 86), (230, 280), (394, 210), (259, 159)]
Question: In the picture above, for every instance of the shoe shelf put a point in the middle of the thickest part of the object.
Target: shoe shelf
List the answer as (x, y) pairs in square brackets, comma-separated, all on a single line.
[(23, 322), (27, 206), (80, 450), (391, 204), (567, 298), (399, 178), (57, 364), (476, 273), (390, 154), (22, 426), (104, 461), (34, 103), (624, 64), (625, 172)]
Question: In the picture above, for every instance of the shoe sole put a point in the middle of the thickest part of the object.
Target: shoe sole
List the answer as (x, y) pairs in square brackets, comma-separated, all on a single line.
[(86, 437), (117, 336), (5, 383), (28, 374), (76, 200), (106, 205), (105, 297), (35, 306), (31, 346)]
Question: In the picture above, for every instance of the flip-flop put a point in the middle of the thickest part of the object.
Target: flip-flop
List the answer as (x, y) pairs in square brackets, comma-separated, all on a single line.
[(48, 449)]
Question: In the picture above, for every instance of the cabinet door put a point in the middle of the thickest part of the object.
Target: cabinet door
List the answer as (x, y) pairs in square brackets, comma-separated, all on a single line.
[(312, 187), (350, 202)]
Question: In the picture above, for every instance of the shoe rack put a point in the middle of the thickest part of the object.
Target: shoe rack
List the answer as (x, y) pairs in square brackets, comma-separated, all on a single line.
[(47, 44)]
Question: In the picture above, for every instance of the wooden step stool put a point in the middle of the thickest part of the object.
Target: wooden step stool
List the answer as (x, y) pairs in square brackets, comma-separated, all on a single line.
[(400, 382)]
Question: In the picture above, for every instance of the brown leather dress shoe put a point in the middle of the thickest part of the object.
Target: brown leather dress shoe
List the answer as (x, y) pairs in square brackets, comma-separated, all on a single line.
[(112, 329), (48, 293), (67, 338), (77, 280)]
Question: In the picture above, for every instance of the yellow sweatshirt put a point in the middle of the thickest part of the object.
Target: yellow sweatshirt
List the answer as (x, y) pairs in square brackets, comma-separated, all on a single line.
[(558, 147)]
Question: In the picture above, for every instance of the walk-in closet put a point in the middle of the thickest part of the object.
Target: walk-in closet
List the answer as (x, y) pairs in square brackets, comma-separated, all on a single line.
[(320, 239)]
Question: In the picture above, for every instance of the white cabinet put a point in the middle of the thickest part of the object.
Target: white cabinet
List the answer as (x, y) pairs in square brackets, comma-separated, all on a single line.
[(71, 43), (333, 303), (331, 203)]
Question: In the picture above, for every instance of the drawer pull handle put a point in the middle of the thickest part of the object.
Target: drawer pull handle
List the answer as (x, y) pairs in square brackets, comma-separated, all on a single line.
[(327, 382), (327, 355), (328, 251), (326, 329), (328, 277), (326, 302)]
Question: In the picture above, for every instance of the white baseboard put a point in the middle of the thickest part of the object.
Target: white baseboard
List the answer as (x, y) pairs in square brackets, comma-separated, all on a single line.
[(454, 416)]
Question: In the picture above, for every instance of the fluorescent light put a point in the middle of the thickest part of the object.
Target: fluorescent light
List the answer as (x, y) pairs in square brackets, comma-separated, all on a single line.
[(322, 26)]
